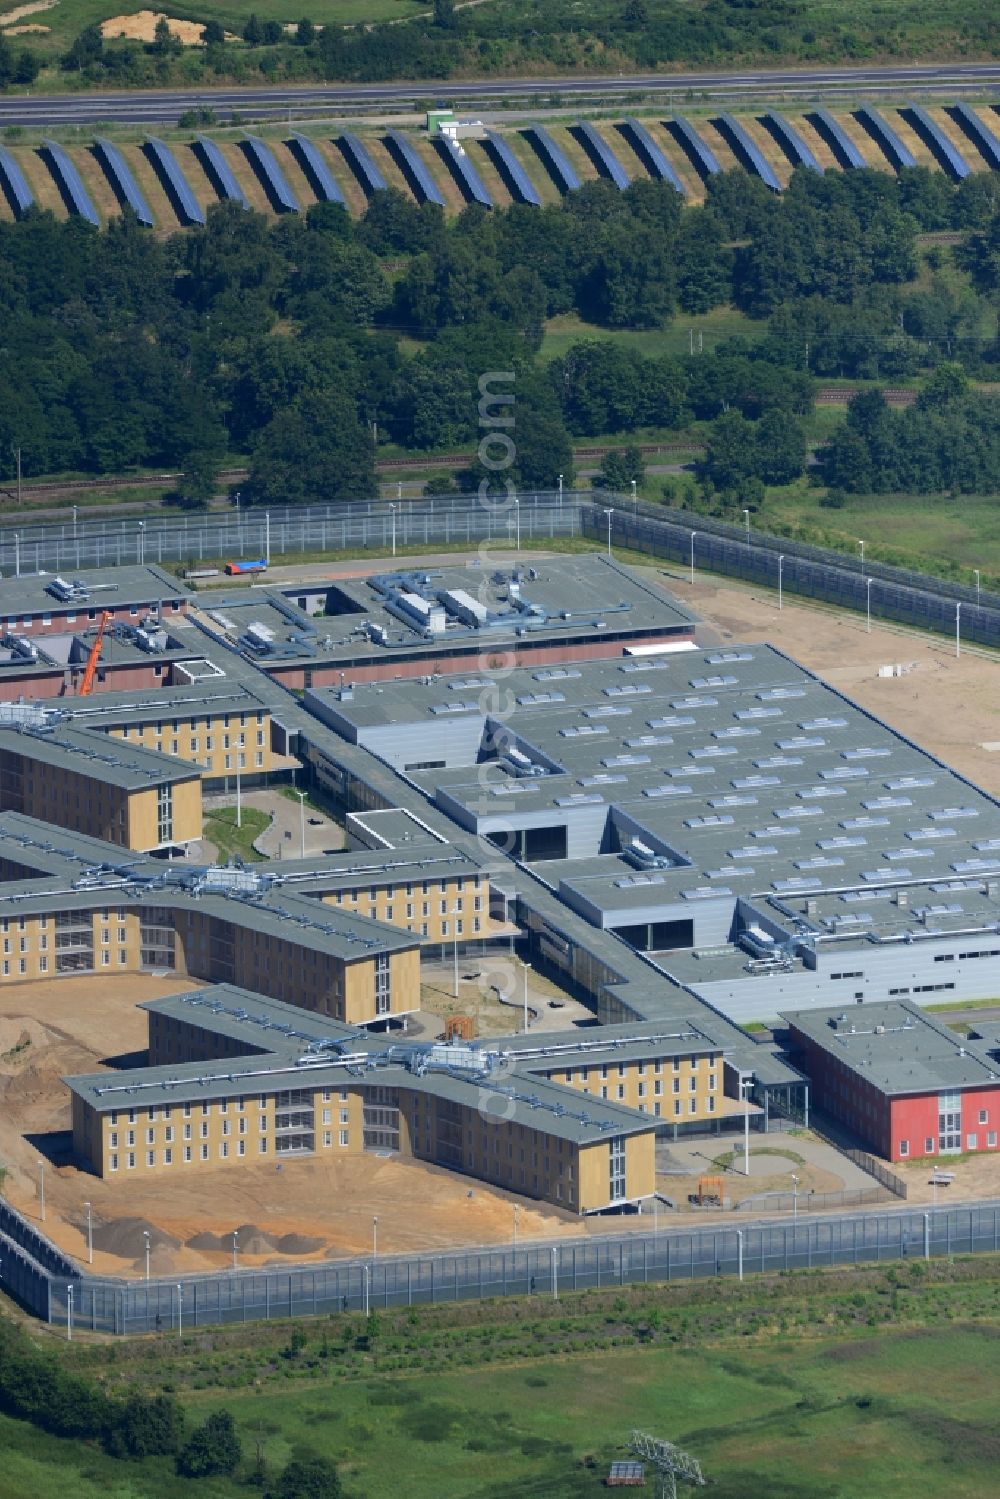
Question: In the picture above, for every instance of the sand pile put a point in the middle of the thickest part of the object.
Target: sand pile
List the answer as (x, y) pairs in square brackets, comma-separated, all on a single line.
[(124, 1236), (141, 27)]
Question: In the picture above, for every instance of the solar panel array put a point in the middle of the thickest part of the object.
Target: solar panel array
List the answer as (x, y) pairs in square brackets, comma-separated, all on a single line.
[(843, 147), (801, 154), (314, 163), (71, 182), (602, 154), (555, 158), (221, 172), (15, 184), (656, 162), (979, 132), (414, 168), (123, 182), (517, 179), (882, 131), (748, 151), (178, 188), (276, 183), (471, 182), (371, 178), (948, 155), (702, 154)]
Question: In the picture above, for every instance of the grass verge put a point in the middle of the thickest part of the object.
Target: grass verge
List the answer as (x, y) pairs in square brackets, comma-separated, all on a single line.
[(232, 841)]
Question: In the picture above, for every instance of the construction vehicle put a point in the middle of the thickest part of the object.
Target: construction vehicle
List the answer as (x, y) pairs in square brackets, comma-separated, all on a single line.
[(90, 670)]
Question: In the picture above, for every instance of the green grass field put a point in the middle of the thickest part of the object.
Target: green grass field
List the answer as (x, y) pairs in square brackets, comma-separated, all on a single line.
[(860, 1384), (220, 827), (711, 327), (933, 533)]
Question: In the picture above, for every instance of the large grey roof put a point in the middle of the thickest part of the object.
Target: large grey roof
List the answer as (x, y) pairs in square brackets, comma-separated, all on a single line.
[(107, 587), (90, 753), (898, 1048)]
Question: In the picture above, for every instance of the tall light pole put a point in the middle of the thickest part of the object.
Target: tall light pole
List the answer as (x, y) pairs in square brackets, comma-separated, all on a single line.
[(90, 1233), (560, 490), (693, 535), (527, 969), (454, 949), (635, 498), (236, 1244), (746, 513), (17, 555), (739, 1252), (74, 509), (555, 1272), (399, 490), (367, 1274), (781, 564), (516, 1210), (302, 822), (868, 603), (745, 1090), (958, 630), (795, 1198), (862, 546), (267, 537), (142, 542), (145, 1244), (517, 524), (239, 523), (69, 1314), (609, 514), (180, 1310), (374, 1238), (976, 571), (392, 512), (41, 1187)]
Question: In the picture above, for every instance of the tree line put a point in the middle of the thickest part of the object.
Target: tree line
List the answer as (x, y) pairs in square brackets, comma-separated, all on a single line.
[(308, 342), (512, 36), (35, 1387)]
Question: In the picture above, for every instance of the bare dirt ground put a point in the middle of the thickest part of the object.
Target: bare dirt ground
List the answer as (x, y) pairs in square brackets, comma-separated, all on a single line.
[(550, 1008), (976, 1176), (309, 1208), (8, 17), (950, 707), (141, 27)]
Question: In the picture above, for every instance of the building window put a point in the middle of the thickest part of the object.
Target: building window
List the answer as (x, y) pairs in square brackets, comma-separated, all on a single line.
[(983, 1116), (344, 1137), (929, 1145), (904, 1147), (972, 1142), (991, 1139), (949, 1122), (113, 1163)]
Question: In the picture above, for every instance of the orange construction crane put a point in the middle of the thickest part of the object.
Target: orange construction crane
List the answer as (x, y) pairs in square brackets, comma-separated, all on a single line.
[(90, 672)]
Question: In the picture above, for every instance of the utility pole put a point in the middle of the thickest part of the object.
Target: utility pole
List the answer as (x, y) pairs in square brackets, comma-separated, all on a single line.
[(41, 1188), (90, 1233), (609, 514), (236, 1239), (302, 822), (781, 564), (693, 535)]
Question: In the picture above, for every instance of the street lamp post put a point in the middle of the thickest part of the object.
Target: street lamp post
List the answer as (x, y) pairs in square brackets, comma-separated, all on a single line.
[(146, 1245), (367, 1280), (560, 491), (745, 1083), (90, 1233), (976, 571), (69, 1314), (795, 1198), (555, 1272), (516, 1210), (455, 912), (517, 524), (635, 498), (739, 1252), (17, 555), (180, 1311), (41, 1188), (236, 1241), (302, 822), (267, 537), (958, 630), (142, 542), (392, 512), (868, 603), (609, 514), (747, 514), (693, 535), (374, 1238), (781, 564), (862, 546), (527, 970)]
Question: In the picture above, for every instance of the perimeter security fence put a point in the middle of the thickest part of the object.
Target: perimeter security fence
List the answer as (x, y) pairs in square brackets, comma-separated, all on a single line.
[(182, 1303), (967, 613)]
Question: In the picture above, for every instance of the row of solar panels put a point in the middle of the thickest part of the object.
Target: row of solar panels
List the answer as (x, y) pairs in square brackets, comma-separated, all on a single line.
[(511, 169)]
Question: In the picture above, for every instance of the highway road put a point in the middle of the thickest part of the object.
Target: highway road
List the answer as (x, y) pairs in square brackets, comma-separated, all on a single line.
[(155, 107)]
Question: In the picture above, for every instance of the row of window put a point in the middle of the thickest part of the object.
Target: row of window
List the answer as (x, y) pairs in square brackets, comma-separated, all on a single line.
[(971, 1143), (921, 989), (204, 1151), (165, 1111)]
